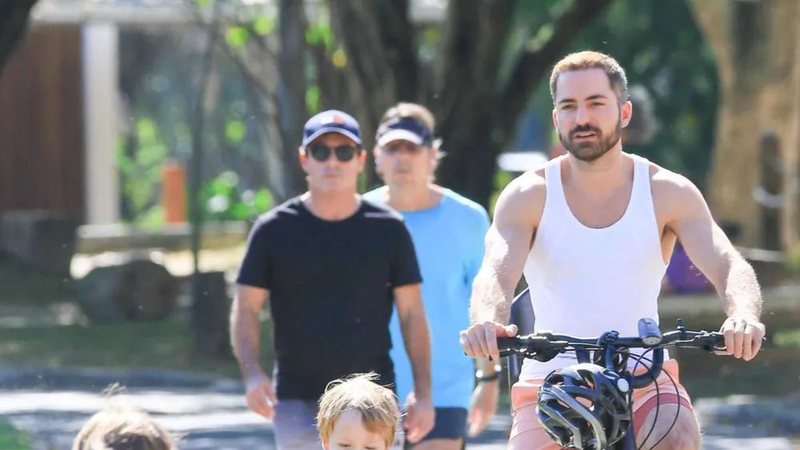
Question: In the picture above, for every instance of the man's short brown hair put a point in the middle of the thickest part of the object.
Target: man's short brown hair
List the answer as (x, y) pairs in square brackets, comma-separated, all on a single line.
[(122, 426), (592, 60), (377, 405)]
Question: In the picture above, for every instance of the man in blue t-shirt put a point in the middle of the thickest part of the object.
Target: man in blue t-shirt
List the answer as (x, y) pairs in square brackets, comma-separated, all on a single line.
[(448, 231)]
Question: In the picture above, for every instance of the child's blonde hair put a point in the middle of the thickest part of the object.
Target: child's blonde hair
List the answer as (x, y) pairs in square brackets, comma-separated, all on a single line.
[(377, 405), (123, 426)]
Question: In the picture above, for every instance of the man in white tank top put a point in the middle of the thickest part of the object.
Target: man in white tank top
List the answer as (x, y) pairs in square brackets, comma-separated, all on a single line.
[(592, 231)]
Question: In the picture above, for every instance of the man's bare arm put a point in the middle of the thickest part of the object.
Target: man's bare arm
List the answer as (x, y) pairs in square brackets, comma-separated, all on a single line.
[(420, 417), (508, 243), (712, 252), (246, 326), (246, 338), (416, 338)]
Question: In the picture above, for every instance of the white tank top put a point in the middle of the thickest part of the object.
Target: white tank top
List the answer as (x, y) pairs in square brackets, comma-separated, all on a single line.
[(585, 281)]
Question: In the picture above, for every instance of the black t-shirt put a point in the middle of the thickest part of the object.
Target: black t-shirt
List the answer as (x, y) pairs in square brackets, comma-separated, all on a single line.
[(330, 286)]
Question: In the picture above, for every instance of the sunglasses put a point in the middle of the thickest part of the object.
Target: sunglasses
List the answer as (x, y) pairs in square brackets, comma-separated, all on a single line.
[(322, 152)]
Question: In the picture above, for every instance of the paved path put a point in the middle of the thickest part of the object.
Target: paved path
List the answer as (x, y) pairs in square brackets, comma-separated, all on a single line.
[(52, 405)]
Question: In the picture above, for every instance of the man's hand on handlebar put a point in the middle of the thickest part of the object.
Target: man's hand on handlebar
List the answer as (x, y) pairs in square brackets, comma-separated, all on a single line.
[(743, 336), (480, 339)]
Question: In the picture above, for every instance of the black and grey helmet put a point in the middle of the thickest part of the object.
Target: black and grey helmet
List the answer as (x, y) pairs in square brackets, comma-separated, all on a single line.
[(585, 406)]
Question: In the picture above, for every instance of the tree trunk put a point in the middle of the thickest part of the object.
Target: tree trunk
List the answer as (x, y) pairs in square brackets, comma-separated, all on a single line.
[(477, 107), (754, 43), (291, 93)]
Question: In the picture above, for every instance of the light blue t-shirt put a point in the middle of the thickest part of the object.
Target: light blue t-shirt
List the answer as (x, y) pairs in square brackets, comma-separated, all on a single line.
[(448, 239)]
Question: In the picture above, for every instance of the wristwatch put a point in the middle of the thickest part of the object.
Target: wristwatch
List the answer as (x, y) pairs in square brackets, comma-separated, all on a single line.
[(481, 377)]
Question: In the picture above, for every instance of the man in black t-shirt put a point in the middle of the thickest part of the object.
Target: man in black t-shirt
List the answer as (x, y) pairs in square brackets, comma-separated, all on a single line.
[(331, 265)]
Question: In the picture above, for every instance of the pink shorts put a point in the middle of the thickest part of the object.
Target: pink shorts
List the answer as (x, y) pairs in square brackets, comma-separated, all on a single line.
[(527, 433)]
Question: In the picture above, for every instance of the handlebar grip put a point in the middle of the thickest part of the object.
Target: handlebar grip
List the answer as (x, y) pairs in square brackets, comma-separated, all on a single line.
[(507, 343), (649, 332), (719, 340)]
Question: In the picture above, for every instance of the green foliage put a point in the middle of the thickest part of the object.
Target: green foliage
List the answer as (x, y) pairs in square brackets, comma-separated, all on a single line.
[(264, 25), (222, 199), (662, 50), (312, 99), (235, 131), (140, 168), (237, 37), (12, 438), (320, 33), (787, 338)]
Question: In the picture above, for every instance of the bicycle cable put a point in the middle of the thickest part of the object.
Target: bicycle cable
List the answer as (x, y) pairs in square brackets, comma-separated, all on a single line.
[(638, 359), (658, 402)]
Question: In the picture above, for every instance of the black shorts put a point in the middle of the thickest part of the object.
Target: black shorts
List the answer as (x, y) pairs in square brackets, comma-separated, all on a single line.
[(451, 423)]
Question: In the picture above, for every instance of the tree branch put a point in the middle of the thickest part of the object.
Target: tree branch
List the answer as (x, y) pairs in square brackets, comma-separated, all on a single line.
[(527, 73), (458, 49), (399, 44), (494, 25)]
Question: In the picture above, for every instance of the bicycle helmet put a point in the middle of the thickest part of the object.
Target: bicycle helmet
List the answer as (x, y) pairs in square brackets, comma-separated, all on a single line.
[(585, 406)]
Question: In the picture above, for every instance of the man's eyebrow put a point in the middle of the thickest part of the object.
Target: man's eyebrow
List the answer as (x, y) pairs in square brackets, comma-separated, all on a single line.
[(590, 98)]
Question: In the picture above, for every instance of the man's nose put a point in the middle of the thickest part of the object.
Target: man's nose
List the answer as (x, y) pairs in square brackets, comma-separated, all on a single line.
[(582, 116), (402, 153)]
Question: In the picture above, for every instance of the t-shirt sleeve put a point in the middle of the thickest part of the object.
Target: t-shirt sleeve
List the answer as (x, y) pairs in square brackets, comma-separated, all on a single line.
[(404, 269), (255, 269)]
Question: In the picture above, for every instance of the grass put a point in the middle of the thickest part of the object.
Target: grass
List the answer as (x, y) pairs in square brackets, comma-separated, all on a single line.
[(162, 345), (787, 338), (12, 438)]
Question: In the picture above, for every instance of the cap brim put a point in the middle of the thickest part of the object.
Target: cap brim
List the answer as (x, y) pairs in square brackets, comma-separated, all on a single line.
[(337, 130), (399, 135)]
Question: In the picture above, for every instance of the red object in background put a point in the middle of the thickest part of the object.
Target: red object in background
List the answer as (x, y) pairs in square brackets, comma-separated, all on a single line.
[(173, 192)]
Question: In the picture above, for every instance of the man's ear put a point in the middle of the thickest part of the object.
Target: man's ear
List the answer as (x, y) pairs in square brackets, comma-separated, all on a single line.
[(625, 113), (362, 160), (303, 157)]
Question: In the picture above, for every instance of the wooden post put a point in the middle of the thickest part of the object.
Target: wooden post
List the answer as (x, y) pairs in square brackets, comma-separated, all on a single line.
[(769, 193)]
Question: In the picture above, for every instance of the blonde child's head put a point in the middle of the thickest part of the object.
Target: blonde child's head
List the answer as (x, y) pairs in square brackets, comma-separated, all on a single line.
[(123, 426), (358, 412)]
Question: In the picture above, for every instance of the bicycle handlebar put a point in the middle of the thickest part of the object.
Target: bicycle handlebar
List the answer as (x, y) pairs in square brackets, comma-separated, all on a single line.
[(534, 344), (545, 346)]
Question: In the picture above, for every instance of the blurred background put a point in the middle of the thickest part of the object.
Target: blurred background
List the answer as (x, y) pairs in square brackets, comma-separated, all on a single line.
[(140, 138)]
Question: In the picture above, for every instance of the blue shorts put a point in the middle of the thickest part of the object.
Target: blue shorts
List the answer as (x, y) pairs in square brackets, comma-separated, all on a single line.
[(451, 423)]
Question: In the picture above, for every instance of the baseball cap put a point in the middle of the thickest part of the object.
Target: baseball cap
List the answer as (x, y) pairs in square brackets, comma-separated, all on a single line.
[(331, 121), (405, 128)]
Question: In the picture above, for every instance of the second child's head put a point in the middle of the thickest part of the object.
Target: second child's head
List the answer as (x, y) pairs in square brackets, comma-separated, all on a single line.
[(358, 414), (123, 426)]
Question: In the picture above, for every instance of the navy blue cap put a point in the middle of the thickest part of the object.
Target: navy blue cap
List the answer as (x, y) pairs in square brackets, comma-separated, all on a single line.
[(331, 121), (403, 128)]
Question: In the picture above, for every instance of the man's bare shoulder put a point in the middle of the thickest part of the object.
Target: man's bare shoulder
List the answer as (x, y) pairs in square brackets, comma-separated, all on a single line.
[(523, 198), (672, 191)]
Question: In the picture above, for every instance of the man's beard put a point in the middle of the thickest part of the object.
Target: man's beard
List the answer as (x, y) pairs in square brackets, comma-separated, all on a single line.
[(590, 151)]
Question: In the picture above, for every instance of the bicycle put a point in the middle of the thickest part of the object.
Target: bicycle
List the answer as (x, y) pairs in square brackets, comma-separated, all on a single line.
[(608, 370)]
